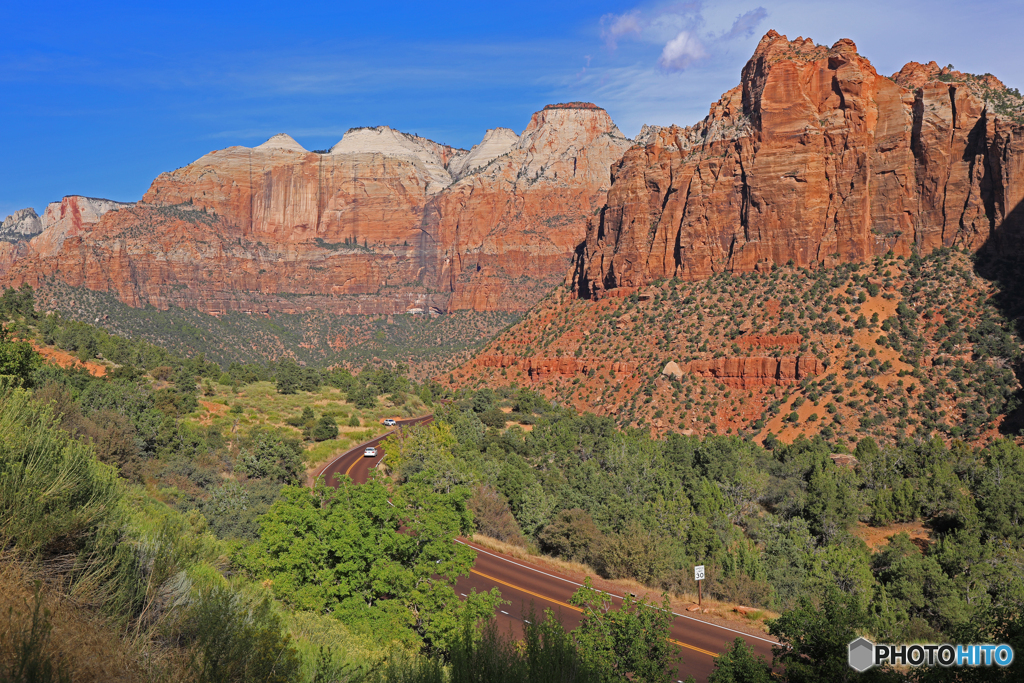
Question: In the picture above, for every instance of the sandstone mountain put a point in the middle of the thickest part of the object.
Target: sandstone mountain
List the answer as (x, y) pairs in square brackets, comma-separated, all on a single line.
[(25, 234), (782, 266), (817, 159), (20, 225), (384, 222)]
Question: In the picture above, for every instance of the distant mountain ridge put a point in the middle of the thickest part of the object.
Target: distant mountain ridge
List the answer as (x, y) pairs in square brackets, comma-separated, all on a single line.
[(383, 223), (814, 158)]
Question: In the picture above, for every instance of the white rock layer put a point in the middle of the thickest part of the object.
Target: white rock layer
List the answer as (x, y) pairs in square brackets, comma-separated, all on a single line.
[(427, 154), (282, 141), (21, 225), (496, 142), (70, 216)]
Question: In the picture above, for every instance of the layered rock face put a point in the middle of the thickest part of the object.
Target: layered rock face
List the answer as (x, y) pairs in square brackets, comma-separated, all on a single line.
[(27, 237), (508, 230), (384, 222), (750, 372), (70, 217), (21, 225), (814, 158)]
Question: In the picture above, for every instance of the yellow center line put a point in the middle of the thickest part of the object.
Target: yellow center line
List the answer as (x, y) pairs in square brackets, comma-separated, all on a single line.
[(577, 609)]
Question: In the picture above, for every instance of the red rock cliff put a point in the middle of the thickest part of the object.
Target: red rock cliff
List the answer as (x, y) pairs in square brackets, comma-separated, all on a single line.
[(814, 158), (384, 222)]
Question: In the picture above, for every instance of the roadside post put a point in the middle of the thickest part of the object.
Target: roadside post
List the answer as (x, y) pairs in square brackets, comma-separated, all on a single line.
[(698, 576)]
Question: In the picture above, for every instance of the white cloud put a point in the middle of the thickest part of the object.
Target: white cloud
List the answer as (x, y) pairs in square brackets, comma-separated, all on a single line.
[(681, 51), (615, 26)]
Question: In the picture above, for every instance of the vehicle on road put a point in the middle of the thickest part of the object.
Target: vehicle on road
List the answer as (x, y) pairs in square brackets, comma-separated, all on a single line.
[(369, 452), (389, 422)]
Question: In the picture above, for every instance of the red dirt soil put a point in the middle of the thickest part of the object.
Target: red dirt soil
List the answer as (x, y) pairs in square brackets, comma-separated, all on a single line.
[(66, 360)]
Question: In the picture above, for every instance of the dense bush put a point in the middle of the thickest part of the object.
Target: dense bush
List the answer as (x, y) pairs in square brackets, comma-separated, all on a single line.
[(771, 526)]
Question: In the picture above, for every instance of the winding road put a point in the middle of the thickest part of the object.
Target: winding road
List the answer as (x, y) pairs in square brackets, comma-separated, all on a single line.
[(534, 589)]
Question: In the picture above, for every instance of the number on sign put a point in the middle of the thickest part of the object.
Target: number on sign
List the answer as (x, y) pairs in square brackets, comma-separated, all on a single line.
[(698, 573)]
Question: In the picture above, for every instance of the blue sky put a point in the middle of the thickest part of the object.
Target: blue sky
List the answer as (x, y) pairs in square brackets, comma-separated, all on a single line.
[(99, 98)]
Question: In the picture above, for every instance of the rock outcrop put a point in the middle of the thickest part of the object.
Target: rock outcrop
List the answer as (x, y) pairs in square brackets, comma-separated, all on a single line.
[(70, 217), (496, 142), (748, 373), (814, 158), (384, 222), (672, 370), (520, 218), (21, 225), (538, 368)]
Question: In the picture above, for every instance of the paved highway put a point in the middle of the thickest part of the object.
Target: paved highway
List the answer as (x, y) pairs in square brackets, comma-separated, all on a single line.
[(354, 464), (531, 588)]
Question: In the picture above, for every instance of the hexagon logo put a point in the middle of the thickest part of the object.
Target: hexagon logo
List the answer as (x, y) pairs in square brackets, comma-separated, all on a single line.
[(861, 654)]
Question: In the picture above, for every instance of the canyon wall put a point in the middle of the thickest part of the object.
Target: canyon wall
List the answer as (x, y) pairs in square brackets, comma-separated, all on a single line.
[(384, 222), (814, 158)]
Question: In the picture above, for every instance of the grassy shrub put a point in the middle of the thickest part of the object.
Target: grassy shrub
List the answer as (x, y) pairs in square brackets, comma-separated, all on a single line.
[(233, 639), (54, 495), (546, 654)]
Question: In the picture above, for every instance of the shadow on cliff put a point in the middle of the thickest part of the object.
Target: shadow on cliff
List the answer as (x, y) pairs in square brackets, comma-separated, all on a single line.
[(1001, 260)]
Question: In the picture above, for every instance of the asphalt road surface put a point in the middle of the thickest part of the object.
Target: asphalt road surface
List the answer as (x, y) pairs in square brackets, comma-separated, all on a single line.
[(531, 589), (354, 464)]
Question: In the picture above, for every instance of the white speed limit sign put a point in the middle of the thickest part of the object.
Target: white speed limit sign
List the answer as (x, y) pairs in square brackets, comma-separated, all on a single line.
[(698, 573)]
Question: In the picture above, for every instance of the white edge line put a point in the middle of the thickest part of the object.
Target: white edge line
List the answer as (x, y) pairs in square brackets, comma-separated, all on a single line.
[(560, 578)]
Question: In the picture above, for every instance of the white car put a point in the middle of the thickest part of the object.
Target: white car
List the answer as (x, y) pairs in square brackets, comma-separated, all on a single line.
[(369, 452), (389, 422)]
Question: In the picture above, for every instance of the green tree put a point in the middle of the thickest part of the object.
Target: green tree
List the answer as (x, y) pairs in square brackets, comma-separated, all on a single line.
[(288, 376), (17, 361), (340, 551), (572, 535), (831, 506), (629, 643), (1000, 491), (364, 397), (325, 428), (739, 665), (813, 640), (271, 458)]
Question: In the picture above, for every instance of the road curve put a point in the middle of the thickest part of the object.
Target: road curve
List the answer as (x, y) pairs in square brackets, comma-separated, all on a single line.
[(355, 465), (533, 589)]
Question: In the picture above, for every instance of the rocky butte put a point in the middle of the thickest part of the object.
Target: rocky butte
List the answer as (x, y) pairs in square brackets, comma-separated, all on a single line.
[(383, 222), (814, 158)]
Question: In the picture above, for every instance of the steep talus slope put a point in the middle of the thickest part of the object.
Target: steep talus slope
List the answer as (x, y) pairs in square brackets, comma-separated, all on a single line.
[(896, 347), (817, 159), (385, 222)]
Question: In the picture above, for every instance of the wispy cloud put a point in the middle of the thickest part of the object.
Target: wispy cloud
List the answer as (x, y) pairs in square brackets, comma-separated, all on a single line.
[(746, 24), (679, 29), (615, 26)]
